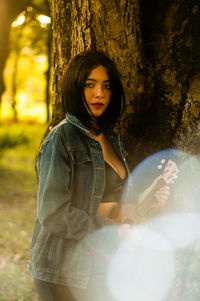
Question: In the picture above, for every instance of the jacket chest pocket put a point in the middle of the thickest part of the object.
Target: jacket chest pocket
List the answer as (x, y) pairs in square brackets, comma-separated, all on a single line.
[(80, 157)]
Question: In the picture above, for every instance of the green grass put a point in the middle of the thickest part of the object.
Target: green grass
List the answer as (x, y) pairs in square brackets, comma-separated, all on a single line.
[(19, 143), (17, 174)]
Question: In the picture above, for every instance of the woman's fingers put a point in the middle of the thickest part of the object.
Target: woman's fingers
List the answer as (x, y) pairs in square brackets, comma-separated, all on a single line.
[(162, 195)]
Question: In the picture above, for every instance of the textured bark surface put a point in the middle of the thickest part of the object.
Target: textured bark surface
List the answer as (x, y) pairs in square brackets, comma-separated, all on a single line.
[(156, 47), (61, 17), (172, 47)]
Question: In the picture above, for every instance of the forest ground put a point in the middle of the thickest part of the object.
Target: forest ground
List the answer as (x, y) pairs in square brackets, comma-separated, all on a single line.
[(18, 186)]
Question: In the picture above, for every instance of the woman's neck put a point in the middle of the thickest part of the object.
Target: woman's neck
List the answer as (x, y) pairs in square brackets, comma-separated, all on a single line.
[(94, 128)]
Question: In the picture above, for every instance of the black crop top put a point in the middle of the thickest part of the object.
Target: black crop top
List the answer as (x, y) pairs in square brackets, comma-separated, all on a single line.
[(113, 185)]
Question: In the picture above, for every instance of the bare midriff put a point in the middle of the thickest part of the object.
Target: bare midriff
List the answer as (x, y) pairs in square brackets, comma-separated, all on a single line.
[(110, 210)]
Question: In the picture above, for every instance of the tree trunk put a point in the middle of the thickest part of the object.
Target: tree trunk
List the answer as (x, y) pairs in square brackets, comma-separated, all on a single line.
[(172, 46), (48, 72), (14, 85), (48, 80), (156, 47), (62, 27), (9, 10)]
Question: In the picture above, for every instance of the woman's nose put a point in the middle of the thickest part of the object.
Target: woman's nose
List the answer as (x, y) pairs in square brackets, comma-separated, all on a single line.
[(99, 92)]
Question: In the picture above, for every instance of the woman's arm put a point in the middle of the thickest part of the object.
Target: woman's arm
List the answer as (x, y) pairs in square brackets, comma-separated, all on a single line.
[(152, 199)]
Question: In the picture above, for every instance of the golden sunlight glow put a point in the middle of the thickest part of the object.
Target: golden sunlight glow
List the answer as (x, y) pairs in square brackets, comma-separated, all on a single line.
[(19, 21), (42, 59), (44, 19), (22, 97), (29, 9)]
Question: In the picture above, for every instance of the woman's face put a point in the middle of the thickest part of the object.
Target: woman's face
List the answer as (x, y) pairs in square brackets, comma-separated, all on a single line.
[(97, 91)]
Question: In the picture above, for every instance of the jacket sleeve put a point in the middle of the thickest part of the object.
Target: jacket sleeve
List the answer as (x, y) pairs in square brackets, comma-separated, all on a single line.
[(55, 211)]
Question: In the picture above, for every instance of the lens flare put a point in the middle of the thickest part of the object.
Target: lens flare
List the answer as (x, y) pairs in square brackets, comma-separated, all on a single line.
[(175, 169), (181, 229), (142, 268), (162, 194)]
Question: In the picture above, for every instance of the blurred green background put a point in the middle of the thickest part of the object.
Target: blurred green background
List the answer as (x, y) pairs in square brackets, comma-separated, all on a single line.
[(24, 115)]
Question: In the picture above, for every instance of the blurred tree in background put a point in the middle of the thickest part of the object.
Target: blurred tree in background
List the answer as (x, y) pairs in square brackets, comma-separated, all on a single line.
[(27, 36)]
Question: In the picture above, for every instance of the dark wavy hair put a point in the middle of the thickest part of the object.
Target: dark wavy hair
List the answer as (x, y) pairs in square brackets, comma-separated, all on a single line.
[(72, 89)]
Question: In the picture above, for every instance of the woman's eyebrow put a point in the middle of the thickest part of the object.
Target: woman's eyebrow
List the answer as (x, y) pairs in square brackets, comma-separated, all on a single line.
[(94, 80)]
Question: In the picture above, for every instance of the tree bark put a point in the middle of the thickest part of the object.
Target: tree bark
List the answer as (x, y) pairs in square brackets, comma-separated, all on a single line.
[(62, 28), (172, 47), (48, 79), (49, 60), (155, 45)]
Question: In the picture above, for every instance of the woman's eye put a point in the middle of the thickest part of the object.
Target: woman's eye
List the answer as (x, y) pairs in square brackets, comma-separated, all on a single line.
[(107, 86), (88, 85)]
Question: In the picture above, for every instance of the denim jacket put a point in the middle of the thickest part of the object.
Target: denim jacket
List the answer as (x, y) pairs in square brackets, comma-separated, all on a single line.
[(70, 166)]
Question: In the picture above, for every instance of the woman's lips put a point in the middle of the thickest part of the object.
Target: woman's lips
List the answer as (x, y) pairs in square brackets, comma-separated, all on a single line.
[(97, 104)]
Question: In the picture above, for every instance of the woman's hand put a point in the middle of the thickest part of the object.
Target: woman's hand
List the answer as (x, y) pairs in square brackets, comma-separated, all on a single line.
[(162, 196), (126, 214), (152, 199), (123, 231)]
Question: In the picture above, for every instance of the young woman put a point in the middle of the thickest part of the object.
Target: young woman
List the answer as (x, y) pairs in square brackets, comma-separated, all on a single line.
[(82, 170)]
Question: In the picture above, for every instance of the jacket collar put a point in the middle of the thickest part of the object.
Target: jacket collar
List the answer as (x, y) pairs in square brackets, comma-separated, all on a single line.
[(75, 121)]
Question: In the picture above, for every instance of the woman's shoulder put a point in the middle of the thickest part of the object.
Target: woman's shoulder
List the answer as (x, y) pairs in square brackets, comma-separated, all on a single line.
[(70, 134)]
